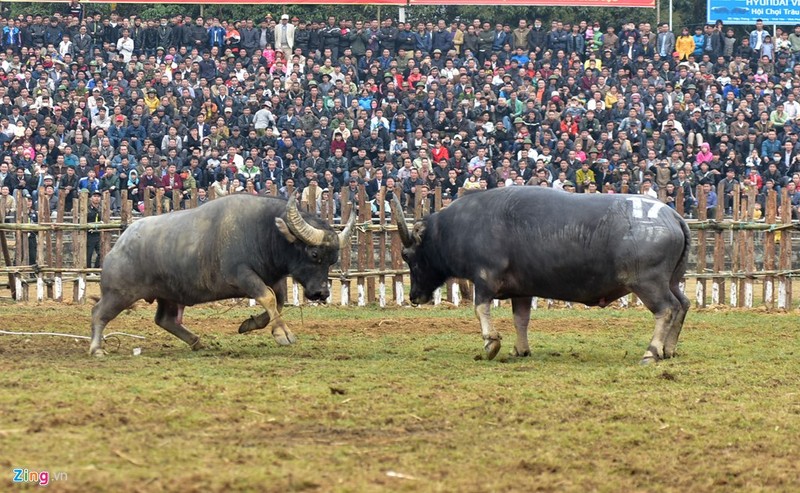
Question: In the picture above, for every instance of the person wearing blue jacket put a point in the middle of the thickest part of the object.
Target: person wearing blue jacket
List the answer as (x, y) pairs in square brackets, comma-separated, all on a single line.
[(699, 42), (424, 39), (771, 145), (216, 35), (501, 37)]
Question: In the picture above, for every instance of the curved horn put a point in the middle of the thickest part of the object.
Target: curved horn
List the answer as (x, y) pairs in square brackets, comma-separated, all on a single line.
[(344, 236), (307, 233), (400, 220)]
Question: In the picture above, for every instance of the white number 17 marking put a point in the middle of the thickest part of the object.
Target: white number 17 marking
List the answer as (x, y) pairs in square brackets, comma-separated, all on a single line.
[(638, 207)]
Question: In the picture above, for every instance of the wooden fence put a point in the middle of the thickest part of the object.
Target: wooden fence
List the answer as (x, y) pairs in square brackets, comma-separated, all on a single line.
[(735, 260)]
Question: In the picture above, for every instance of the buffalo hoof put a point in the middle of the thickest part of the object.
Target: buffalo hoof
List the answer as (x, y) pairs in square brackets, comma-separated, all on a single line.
[(247, 325), (197, 345), (284, 337), (648, 360), (520, 354), (98, 353), (492, 347)]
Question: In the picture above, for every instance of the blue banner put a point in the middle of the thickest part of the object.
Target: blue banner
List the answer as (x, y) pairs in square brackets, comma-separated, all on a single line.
[(745, 12)]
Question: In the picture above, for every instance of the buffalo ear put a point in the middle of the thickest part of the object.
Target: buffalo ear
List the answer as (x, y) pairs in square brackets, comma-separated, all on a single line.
[(418, 232), (284, 229)]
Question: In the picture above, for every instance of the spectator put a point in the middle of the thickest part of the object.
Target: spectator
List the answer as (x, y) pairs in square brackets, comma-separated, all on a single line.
[(93, 237), (110, 182), (469, 105), (220, 185), (684, 45), (11, 203), (89, 183)]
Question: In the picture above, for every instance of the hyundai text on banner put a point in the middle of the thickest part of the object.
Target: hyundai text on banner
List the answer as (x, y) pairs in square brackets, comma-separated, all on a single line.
[(746, 12), (542, 3)]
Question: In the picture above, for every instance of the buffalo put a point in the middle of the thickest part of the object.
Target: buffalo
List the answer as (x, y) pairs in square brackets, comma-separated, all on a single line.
[(521, 242), (233, 247)]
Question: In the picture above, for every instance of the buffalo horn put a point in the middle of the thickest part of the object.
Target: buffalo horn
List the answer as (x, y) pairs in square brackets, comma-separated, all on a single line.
[(307, 233), (344, 236), (400, 220)]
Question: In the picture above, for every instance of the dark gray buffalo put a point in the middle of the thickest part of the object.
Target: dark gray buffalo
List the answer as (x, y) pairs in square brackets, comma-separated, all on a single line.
[(528, 241), (233, 247)]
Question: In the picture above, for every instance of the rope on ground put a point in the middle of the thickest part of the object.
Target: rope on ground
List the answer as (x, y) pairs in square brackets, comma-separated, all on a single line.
[(73, 336)]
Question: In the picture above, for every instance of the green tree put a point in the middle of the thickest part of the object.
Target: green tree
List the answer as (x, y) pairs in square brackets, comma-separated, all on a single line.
[(685, 12)]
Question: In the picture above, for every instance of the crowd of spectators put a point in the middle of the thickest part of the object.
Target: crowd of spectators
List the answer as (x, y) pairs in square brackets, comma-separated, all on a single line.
[(193, 104)]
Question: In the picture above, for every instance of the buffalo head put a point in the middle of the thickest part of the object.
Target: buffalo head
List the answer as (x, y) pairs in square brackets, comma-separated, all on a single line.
[(319, 245), (425, 276)]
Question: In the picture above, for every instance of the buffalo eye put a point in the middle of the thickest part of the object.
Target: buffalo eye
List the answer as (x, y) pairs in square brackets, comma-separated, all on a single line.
[(314, 254)]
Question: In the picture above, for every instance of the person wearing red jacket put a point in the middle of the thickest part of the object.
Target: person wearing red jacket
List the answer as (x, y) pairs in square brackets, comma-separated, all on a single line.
[(171, 181), (439, 152)]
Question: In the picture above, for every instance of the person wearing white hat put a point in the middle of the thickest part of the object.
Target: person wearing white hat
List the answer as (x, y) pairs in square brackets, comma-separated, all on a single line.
[(284, 36)]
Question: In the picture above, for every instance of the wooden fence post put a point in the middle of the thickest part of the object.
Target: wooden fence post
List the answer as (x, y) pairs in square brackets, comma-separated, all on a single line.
[(192, 204), (148, 201), (425, 203), (736, 257), (328, 214), (125, 207), (347, 252), (784, 281), (79, 285), (381, 198), (750, 249), (395, 253), (49, 240), (4, 247), (309, 204), (159, 201), (418, 203), (364, 245), (43, 245), (58, 277), (22, 214), (176, 200), (718, 282), (21, 248), (328, 209), (105, 218), (769, 249), (702, 216)]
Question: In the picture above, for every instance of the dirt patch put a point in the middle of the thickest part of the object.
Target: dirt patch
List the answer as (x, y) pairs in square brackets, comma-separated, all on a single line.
[(223, 319)]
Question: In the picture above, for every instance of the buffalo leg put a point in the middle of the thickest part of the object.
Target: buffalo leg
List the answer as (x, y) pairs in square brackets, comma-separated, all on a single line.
[(261, 320), (491, 339), (665, 307), (255, 288), (522, 316), (169, 316), (106, 310), (677, 323)]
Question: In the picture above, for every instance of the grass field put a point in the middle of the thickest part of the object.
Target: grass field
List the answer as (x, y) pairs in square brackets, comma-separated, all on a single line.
[(396, 400)]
